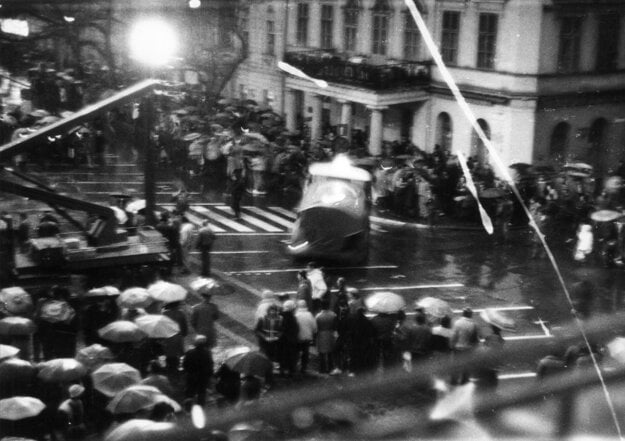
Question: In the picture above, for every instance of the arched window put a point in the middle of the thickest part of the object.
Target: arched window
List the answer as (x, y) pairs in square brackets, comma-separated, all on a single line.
[(381, 14), (559, 141), (478, 149), (597, 151), (444, 131)]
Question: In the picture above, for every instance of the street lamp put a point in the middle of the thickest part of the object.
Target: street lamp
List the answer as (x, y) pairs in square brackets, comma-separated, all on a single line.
[(153, 43)]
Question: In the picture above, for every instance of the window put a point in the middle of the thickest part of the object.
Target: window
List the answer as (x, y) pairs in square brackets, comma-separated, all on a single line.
[(271, 37), (381, 15), (412, 38), (444, 131), (449, 37), (487, 41), (302, 24), (352, 11), (570, 35), (607, 42), (559, 141), (327, 26), (244, 23)]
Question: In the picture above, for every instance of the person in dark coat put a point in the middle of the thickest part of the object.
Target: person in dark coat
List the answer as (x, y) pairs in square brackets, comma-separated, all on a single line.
[(228, 384), (97, 315), (205, 240), (237, 189), (268, 331), (304, 289), (203, 317), (288, 339), (198, 367), (384, 325), (174, 346), (327, 324), (362, 343)]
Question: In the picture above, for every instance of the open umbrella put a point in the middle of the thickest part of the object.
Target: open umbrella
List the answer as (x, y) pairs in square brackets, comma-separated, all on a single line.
[(112, 378), (103, 291), (616, 348), (134, 298), (7, 351), (57, 311), (137, 429), (15, 369), (39, 113), (384, 302), (216, 127), (94, 355), (121, 331), (435, 307), (613, 184), (208, 285), (191, 136), (19, 408), (120, 215), (250, 363), (16, 326), (256, 135), (605, 215), (16, 300), (61, 370), (498, 319), (167, 292), (48, 119), (579, 166), (135, 206), (133, 399), (222, 356), (157, 325)]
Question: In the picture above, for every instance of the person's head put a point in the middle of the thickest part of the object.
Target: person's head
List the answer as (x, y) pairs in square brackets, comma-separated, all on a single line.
[(467, 312), (311, 265), (340, 282), (200, 341), (325, 304), (205, 223), (154, 367), (420, 318), (162, 412), (301, 304), (268, 294), (207, 296), (23, 216), (283, 298), (273, 310), (165, 216), (353, 293), (401, 316), (289, 306), (75, 391), (301, 275)]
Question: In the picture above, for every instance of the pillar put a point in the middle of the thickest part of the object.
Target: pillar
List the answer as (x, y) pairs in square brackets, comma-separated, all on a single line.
[(376, 128), (290, 110), (346, 118), (316, 129)]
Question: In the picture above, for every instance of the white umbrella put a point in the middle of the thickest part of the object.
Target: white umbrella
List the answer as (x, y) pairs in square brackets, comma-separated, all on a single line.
[(137, 429), (135, 206), (120, 215), (7, 351), (18, 408), (157, 325), (134, 298), (167, 292), (112, 378), (103, 291), (384, 302)]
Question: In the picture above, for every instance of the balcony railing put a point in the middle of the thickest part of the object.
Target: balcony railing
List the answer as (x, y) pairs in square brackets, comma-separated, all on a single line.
[(360, 71)]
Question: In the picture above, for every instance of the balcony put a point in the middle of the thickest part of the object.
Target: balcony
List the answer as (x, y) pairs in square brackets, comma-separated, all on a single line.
[(360, 71)]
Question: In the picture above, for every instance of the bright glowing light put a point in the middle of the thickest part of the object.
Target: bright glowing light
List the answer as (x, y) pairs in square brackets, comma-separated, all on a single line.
[(69, 19), (194, 4), (153, 42)]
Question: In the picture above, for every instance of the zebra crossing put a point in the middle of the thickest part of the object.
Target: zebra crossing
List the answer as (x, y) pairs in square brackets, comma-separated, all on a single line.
[(253, 220), (271, 220)]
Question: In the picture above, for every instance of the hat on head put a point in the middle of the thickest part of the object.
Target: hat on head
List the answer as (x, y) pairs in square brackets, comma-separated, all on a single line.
[(289, 305), (200, 339), (75, 390), (268, 294)]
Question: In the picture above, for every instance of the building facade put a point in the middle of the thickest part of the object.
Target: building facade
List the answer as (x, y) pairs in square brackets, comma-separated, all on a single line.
[(545, 78)]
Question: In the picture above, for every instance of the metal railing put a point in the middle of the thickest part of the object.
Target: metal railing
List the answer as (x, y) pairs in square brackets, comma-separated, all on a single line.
[(397, 383), (358, 71)]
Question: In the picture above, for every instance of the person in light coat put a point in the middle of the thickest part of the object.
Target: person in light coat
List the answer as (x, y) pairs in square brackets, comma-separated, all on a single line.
[(187, 230), (585, 240), (268, 298), (307, 330)]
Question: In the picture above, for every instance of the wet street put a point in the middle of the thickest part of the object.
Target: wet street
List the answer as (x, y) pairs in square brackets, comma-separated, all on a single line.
[(462, 266)]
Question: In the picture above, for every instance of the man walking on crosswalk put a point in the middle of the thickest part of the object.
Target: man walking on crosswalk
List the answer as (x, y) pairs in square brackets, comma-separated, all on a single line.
[(205, 240)]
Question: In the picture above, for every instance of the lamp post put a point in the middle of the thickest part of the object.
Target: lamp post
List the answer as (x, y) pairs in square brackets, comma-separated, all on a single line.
[(153, 44)]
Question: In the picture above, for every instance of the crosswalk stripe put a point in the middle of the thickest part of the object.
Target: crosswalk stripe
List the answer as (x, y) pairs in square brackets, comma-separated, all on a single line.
[(272, 217), (221, 219), (197, 220), (284, 211), (252, 220)]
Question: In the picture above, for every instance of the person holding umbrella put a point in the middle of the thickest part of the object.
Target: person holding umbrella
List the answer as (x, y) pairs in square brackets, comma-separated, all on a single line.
[(71, 414), (205, 240), (198, 367), (174, 346), (203, 317)]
